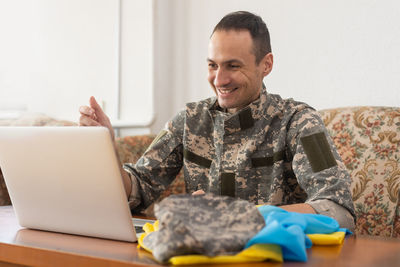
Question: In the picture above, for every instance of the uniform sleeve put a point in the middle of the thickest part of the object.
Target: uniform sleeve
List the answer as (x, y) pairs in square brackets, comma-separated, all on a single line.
[(319, 168), (333, 210), (158, 166)]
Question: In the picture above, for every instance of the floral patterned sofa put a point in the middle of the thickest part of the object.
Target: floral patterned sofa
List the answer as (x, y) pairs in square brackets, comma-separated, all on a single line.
[(367, 138)]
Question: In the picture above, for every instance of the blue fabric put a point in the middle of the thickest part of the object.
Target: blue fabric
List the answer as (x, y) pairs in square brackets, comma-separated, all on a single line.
[(290, 229)]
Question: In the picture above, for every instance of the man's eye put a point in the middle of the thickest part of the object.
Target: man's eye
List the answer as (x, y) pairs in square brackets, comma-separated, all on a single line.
[(234, 66), (212, 65)]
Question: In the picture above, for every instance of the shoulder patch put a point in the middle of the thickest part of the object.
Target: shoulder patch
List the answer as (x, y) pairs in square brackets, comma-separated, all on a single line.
[(157, 138), (318, 152)]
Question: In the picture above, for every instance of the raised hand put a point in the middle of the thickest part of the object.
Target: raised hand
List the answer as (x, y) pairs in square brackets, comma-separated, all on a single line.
[(94, 115)]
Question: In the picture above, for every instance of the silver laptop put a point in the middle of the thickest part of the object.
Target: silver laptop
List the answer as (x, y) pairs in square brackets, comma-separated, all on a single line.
[(66, 179)]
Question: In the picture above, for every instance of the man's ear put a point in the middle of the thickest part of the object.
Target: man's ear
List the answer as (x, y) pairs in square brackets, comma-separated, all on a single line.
[(267, 62)]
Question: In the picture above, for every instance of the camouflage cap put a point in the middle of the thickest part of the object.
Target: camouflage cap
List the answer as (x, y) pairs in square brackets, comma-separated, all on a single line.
[(202, 224)]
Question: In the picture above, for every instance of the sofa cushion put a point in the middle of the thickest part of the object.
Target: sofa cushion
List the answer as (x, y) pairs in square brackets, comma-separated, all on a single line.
[(36, 119), (368, 140)]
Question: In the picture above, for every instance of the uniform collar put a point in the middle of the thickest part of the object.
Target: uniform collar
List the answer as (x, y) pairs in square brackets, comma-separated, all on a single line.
[(244, 118)]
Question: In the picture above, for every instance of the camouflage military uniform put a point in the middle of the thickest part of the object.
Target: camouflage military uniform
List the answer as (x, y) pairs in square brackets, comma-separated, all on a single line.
[(274, 151)]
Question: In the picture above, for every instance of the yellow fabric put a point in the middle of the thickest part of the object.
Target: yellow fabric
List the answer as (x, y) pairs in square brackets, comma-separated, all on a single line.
[(335, 238), (148, 228), (255, 253)]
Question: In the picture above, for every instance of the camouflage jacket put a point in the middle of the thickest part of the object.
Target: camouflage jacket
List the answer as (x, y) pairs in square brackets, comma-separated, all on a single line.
[(274, 151)]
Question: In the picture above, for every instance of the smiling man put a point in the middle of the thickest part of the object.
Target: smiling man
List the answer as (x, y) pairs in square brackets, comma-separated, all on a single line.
[(245, 142)]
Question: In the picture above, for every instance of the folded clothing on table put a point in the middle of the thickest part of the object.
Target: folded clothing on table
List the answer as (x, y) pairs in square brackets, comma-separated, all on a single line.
[(216, 229)]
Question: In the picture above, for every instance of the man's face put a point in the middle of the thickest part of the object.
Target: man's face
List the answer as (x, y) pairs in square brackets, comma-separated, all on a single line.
[(232, 70)]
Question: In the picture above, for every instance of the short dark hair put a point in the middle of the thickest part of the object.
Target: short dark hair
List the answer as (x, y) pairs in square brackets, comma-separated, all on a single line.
[(243, 20)]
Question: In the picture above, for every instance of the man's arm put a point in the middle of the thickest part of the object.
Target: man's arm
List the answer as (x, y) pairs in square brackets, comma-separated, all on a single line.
[(125, 176), (319, 169), (156, 169), (94, 115), (300, 208)]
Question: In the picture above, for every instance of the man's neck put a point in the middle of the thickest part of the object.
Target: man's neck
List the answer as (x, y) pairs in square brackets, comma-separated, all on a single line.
[(234, 110), (231, 110)]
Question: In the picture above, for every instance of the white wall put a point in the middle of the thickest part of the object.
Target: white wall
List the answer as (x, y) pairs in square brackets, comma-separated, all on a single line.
[(327, 53), (54, 54)]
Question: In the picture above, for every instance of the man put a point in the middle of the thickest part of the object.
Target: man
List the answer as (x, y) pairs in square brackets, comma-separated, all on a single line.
[(244, 142)]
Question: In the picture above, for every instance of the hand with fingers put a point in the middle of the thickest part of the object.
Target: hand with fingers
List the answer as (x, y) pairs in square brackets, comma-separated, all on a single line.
[(198, 192), (93, 115)]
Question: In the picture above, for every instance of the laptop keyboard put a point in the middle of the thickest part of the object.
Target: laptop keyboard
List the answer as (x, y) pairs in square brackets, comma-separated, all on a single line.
[(138, 223), (139, 229)]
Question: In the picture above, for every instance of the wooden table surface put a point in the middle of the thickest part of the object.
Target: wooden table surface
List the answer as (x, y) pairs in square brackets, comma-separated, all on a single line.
[(20, 246)]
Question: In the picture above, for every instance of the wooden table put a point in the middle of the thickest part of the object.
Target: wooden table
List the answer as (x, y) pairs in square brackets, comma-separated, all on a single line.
[(20, 246)]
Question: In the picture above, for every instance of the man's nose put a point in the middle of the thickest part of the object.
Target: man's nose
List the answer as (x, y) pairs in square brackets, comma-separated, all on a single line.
[(222, 78)]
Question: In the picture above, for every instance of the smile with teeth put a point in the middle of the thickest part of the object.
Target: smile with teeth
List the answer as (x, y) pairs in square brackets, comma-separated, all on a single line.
[(223, 91)]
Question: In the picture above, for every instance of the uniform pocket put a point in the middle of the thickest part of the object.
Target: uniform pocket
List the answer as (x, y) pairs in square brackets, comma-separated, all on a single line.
[(196, 177), (256, 182)]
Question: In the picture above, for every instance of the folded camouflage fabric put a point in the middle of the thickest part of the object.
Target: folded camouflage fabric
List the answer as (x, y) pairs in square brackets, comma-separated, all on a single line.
[(205, 224)]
